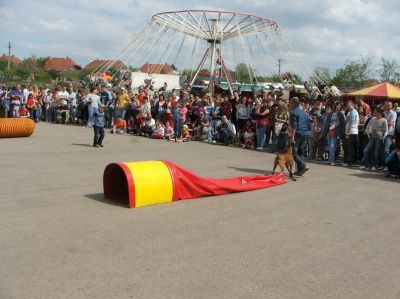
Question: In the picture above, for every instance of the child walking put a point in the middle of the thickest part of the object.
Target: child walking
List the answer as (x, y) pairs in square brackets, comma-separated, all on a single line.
[(98, 126)]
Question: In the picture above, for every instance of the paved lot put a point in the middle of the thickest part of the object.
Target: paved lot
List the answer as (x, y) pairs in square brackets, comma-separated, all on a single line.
[(333, 234)]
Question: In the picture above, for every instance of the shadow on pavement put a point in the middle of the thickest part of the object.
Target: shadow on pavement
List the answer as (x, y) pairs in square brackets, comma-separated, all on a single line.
[(251, 170), (82, 144), (100, 197), (374, 175)]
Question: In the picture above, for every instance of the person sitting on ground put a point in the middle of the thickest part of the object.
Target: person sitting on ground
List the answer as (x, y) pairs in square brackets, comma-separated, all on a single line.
[(23, 112), (168, 131), (158, 132), (185, 133), (147, 125), (393, 163), (64, 112), (248, 137), (131, 127), (225, 131), (120, 126), (200, 127)]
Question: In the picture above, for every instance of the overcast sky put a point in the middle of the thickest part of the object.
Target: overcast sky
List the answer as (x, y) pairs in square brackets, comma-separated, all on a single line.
[(327, 31)]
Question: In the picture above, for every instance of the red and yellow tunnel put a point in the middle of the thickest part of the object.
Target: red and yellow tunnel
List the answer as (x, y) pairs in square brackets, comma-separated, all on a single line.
[(138, 184)]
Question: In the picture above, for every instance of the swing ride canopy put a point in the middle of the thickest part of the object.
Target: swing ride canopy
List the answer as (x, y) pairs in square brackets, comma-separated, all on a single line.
[(212, 25), (217, 41)]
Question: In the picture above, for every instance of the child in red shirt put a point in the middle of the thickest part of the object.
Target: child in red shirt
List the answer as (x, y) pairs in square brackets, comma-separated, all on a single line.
[(23, 112)]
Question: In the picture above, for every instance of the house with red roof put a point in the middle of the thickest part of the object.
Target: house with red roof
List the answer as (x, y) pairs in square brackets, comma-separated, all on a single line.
[(98, 63), (60, 64), (14, 59), (165, 69)]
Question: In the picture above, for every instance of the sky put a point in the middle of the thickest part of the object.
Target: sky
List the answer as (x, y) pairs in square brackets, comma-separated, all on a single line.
[(326, 32)]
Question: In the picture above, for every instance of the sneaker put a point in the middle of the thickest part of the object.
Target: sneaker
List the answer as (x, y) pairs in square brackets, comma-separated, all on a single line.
[(345, 165), (385, 169), (363, 167), (101, 145), (380, 168), (301, 172), (332, 164), (243, 146), (95, 145), (373, 168)]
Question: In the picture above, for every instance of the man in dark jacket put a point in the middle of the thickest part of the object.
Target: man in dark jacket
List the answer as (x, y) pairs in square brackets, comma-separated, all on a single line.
[(301, 127)]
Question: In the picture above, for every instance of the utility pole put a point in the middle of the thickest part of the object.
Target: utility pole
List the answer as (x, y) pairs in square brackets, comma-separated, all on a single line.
[(279, 66), (9, 56)]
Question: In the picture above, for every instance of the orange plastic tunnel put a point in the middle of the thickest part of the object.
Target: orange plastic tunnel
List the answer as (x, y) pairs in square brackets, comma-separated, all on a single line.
[(16, 127), (138, 184)]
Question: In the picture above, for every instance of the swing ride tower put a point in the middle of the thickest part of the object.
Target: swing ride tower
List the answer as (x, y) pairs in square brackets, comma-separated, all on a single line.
[(215, 28)]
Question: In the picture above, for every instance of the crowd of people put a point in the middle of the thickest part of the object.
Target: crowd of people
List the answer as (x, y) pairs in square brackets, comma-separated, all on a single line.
[(325, 129)]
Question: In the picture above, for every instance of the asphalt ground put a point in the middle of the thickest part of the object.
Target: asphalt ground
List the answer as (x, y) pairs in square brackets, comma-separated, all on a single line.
[(335, 233)]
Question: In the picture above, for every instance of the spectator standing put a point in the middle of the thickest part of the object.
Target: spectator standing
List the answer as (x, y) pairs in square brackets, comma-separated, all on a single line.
[(93, 100), (301, 127), (397, 131), (351, 134), (377, 130), (261, 113), (122, 102), (390, 117), (242, 115)]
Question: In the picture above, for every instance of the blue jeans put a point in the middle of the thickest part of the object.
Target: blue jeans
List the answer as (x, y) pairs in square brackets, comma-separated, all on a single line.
[(300, 144), (212, 128), (274, 143), (178, 128), (373, 153), (92, 110), (260, 133), (332, 142), (386, 146)]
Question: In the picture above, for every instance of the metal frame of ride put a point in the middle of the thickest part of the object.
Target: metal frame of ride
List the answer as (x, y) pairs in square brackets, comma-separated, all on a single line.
[(215, 30)]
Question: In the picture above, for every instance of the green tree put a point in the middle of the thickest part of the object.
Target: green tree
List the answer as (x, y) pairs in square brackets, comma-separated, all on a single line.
[(354, 73), (21, 73), (41, 62), (242, 72), (390, 70)]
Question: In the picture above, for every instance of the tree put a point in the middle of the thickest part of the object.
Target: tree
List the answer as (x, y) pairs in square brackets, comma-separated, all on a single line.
[(41, 62), (242, 72), (354, 73), (390, 70)]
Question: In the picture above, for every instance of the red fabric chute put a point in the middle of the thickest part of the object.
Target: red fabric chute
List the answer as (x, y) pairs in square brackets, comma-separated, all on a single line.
[(188, 185)]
